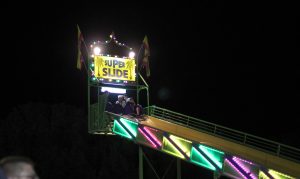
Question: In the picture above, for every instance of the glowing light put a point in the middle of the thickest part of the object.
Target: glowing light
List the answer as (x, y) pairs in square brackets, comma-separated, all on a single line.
[(235, 159), (215, 155), (113, 90), (153, 136), (118, 129), (232, 165), (211, 149), (170, 148), (131, 54), (153, 144), (183, 144), (130, 125), (246, 161), (97, 51), (198, 158), (278, 175), (241, 165), (262, 175), (253, 176)]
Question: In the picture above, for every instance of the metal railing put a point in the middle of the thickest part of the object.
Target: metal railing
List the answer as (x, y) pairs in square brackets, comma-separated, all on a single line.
[(275, 148)]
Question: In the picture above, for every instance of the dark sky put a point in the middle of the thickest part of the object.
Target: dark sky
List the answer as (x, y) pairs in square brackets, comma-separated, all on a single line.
[(226, 63)]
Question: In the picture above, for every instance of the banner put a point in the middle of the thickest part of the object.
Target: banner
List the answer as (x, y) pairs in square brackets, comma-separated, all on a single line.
[(114, 68)]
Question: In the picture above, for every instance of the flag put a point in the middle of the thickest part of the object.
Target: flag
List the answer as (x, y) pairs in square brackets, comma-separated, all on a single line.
[(145, 62), (79, 53)]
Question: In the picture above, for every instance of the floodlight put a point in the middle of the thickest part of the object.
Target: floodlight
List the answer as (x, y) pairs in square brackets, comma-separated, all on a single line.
[(131, 54), (113, 90), (97, 50)]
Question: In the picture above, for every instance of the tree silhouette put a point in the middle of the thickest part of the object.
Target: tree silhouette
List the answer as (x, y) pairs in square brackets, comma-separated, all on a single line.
[(56, 138)]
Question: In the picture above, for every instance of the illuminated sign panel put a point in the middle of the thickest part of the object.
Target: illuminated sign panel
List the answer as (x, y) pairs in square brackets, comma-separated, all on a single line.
[(114, 68)]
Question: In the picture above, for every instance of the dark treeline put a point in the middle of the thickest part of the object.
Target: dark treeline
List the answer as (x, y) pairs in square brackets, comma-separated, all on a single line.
[(56, 138)]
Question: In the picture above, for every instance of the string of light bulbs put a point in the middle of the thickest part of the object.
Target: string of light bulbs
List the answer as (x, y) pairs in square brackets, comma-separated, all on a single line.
[(97, 49), (112, 39)]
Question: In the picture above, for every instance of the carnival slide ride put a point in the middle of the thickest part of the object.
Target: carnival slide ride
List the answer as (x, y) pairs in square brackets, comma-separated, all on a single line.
[(220, 149), (225, 151)]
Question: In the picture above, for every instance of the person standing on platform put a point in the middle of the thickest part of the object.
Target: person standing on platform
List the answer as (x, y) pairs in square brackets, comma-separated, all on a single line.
[(118, 108)]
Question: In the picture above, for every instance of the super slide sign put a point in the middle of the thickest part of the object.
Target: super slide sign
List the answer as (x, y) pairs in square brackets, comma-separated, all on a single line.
[(114, 68)]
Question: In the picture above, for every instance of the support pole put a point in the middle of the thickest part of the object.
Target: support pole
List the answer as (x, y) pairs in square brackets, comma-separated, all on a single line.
[(137, 77), (88, 98), (147, 89), (141, 168), (178, 169), (148, 103), (138, 95)]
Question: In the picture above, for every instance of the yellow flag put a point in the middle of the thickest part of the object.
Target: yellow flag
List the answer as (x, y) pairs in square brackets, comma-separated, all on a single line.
[(145, 62), (79, 54)]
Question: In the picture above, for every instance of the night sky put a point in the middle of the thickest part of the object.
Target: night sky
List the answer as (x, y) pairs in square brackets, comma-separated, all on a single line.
[(230, 64)]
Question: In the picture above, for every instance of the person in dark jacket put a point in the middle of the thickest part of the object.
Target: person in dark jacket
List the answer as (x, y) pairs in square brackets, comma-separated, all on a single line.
[(139, 110), (109, 107), (133, 108), (129, 107)]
